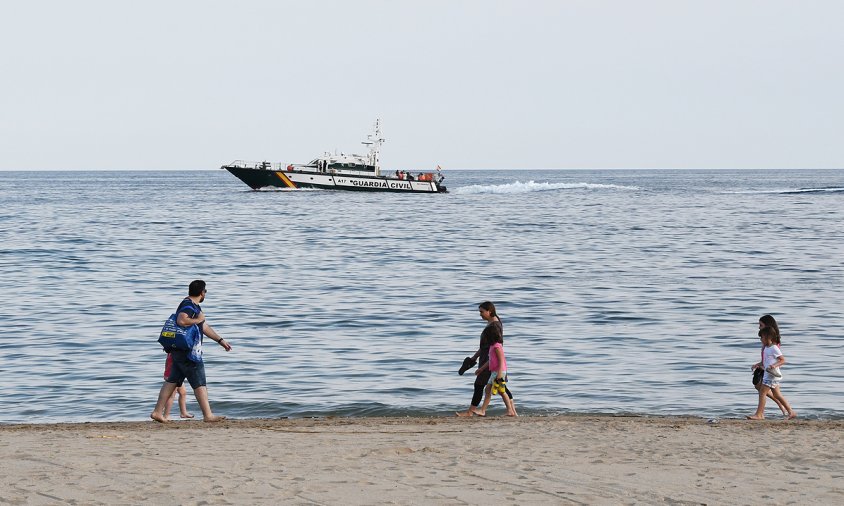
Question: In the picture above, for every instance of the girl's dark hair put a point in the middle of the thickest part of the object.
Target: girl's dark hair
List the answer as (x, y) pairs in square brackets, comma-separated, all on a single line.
[(771, 334), (770, 323), (492, 333), (488, 306)]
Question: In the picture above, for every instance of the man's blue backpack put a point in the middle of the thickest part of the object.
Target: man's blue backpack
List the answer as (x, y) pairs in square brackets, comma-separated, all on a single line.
[(175, 338)]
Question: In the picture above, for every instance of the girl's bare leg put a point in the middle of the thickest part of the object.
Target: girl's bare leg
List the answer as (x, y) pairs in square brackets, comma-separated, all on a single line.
[(771, 396), (778, 395), (511, 409), (780, 405), (760, 408), (169, 405), (487, 396), (183, 402)]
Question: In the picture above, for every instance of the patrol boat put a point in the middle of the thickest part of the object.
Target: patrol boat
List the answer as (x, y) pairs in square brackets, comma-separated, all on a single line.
[(338, 172)]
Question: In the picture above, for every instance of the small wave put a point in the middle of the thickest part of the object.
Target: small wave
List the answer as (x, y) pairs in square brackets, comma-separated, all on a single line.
[(785, 191), (531, 186), (816, 190)]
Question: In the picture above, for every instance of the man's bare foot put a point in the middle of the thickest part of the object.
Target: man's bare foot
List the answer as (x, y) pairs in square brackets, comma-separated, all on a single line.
[(214, 419), (792, 415), (754, 417), (512, 414), (465, 413), (479, 413), (185, 415), (159, 418)]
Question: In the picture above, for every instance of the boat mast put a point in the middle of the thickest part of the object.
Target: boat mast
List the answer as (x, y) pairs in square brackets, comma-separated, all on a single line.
[(374, 141)]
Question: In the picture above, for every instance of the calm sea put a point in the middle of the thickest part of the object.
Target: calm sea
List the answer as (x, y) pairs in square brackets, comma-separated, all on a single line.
[(627, 291)]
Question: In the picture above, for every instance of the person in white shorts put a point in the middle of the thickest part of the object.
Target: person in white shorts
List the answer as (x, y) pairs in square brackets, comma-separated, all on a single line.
[(772, 360)]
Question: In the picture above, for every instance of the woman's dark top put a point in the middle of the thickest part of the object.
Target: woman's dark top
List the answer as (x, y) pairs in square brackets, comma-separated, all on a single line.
[(490, 335)]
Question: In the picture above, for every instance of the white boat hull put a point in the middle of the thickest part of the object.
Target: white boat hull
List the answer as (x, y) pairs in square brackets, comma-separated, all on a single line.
[(258, 178)]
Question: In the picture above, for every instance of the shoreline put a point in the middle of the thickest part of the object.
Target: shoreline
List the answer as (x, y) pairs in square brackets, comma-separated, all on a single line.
[(422, 415), (231, 422), (562, 459)]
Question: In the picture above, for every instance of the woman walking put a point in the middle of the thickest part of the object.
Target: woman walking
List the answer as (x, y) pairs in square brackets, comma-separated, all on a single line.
[(491, 333)]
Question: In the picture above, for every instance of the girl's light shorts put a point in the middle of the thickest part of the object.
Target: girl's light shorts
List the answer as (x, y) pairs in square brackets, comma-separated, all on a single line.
[(493, 376), (771, 381)]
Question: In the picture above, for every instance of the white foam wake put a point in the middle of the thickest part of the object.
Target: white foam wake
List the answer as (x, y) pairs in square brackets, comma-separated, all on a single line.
[(531, 186)]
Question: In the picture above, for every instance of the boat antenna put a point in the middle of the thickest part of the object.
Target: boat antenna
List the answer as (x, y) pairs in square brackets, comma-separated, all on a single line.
[(374, 141)]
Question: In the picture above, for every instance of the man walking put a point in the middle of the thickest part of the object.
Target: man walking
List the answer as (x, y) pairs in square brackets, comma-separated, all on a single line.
[(189, 313)]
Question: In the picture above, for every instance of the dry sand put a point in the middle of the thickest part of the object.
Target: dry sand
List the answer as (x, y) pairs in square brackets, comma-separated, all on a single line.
[(530, 460)]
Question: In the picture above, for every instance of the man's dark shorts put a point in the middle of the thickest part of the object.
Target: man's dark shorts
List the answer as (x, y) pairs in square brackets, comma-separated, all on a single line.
[(185, 369)]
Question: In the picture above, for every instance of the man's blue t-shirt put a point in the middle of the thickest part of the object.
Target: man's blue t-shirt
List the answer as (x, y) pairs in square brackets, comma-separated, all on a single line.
[(191, 309)]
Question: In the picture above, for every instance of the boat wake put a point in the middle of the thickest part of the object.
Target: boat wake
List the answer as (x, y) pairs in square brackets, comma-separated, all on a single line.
[(531, 187), (786, 191)]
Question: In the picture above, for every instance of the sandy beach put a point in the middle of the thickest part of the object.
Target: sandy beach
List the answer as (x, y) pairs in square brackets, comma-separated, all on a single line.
[(496, 460)]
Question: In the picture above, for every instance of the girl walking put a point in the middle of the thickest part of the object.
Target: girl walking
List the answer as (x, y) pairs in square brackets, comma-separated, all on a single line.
[(498, 376), (772, 360), (767, 321)]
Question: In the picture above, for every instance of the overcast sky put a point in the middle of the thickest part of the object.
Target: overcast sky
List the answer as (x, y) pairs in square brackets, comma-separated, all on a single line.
[(464, 84)]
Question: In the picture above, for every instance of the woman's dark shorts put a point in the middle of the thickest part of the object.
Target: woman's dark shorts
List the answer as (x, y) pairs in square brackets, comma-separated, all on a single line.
[(185, 369)]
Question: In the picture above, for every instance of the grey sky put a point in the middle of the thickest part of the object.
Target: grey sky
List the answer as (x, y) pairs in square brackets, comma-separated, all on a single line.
[(487, 84)]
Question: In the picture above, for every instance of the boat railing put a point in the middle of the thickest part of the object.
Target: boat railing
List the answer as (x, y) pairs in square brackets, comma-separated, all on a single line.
[(245, 164)]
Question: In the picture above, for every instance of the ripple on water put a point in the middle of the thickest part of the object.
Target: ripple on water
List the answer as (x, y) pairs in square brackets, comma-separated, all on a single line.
[(621, 291)]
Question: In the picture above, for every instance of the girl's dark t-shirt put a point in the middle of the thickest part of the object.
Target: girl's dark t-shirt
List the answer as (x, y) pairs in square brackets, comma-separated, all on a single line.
[(488, 337)]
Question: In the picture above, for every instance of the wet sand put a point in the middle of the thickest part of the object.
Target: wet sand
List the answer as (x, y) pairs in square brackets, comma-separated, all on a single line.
[(529, 460)]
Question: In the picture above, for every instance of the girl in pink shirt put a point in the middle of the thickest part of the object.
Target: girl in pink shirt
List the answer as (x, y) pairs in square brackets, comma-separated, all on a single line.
[(498, 378)]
